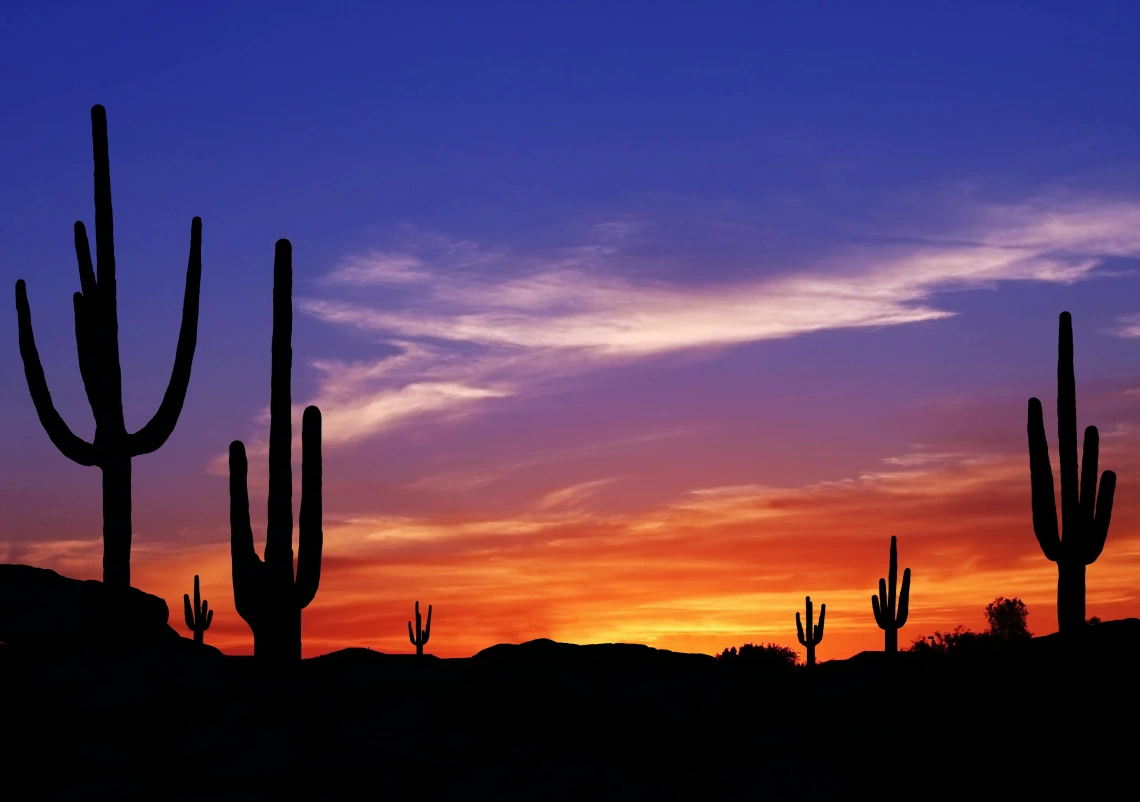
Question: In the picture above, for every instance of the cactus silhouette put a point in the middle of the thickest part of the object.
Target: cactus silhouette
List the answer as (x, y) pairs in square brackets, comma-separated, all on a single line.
[(814, 634), (884, 606), (200, 616), (421, 639), (1084, 517), (97, 342), (266, 594)]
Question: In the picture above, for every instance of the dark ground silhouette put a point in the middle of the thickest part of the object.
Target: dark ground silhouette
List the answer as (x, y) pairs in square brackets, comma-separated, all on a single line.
[(546, 720)]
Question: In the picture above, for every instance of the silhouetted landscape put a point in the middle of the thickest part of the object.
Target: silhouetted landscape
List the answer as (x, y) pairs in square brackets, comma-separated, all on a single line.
[(101, 684), (110, 694)]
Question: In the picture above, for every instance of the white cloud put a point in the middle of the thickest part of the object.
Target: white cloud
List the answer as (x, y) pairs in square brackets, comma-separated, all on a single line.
[(1127, 326), (485, 323)]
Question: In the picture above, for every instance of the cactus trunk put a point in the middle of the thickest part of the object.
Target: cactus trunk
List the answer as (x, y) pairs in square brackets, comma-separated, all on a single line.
[(117, 523), (279, 640), (1070, 594)]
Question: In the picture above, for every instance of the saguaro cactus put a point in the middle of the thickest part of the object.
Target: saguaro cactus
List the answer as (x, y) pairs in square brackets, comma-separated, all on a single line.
[(266, 594), (814, 634), (884, 606), (200, 616), (420, 640), (1084, 517), (97, 340)]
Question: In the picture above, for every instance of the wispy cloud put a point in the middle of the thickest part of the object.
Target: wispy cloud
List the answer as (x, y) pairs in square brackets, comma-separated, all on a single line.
[(475, 323), (1127, 326), (573, 495)]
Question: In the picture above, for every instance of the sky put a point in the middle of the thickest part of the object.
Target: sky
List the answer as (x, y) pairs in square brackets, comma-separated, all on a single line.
[(629, 322)]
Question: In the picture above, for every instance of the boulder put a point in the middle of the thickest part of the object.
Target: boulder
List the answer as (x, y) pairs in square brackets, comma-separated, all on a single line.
[(39, 609)]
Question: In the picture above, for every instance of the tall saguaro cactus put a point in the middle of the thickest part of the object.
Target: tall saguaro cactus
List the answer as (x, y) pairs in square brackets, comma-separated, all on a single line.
[(1084, 517), (200, 616), (420, 638), (886, 616), (814, 634), (97, 341), (266, 593)]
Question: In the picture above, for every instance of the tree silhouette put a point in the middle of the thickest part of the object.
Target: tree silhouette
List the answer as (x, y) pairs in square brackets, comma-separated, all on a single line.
[(1084, 517), (1006, 618), (97, 341), (884, 606), (959, 639), (770, 654), (814, 634), (266, 594), (200, 616), (420, 638)]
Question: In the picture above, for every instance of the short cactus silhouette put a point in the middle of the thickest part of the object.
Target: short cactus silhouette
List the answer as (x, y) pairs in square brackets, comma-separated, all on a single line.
[(420, 640), (200, 616), (884, 606), (97, 340), (814, 634), (1084, 517), (266, 594)]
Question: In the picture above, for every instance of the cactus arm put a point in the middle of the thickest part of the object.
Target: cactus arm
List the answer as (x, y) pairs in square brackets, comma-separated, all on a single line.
[(1098, 530), (243, 558), (209, 615), (1088, 477), (85, 349), (427, 629), (83, 257), (311, 537), (71, 446), (1041, 482), (904, 600), (1067, 429), (882, 610), (800, 631), (279, 536), (241, 533), (190, 625), (819, 626), (151, 437)]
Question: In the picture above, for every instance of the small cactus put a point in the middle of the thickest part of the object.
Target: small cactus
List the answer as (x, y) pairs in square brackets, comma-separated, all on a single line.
[(814, 634), (884, 605), (198, 617), (422, 638)]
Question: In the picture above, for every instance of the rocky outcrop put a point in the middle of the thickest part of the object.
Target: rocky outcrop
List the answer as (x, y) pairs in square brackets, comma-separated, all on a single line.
[(40, 609)]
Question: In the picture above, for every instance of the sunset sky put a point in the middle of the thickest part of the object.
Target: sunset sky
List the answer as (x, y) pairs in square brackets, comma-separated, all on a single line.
[(629, 321)]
